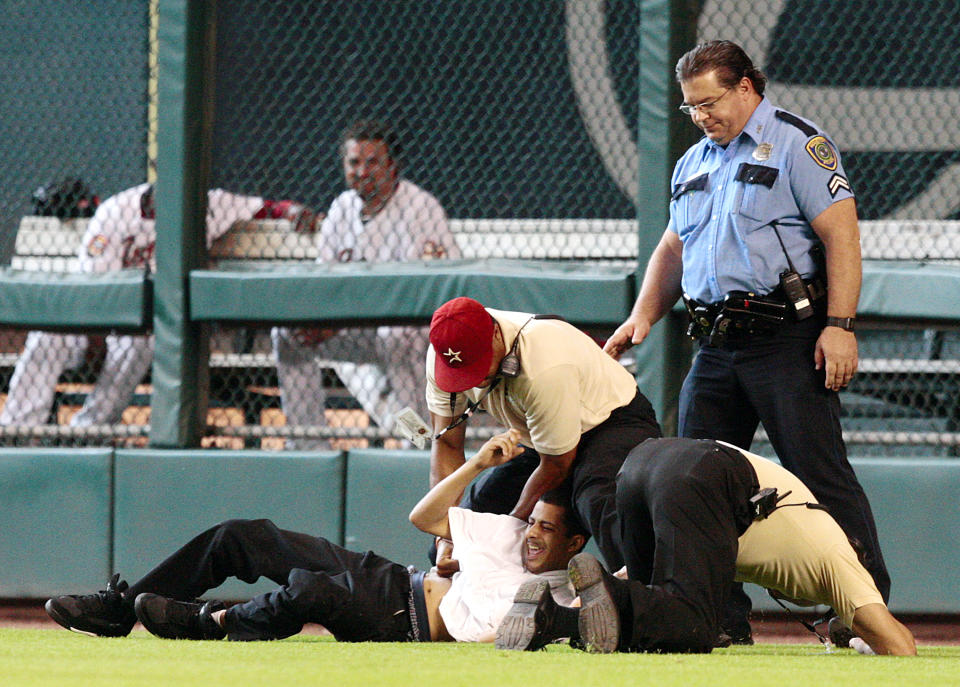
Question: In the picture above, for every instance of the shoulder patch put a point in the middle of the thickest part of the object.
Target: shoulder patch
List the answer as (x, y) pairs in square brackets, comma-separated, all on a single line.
[(797, 122), (822, 153)]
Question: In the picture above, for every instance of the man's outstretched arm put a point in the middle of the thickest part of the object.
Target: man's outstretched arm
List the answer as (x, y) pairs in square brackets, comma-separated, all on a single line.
[(430, 514)]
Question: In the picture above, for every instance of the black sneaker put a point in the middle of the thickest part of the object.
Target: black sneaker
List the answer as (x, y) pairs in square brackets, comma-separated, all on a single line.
[(599, 619), (104, 614), (740, 637), (533, 621), (839, 633), (173, 619)]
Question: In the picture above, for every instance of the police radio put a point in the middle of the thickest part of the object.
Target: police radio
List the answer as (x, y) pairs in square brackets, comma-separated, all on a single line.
[(792, 284)]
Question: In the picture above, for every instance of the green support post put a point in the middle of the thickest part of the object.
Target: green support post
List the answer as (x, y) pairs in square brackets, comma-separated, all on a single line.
[(667, 30), (180, 373)]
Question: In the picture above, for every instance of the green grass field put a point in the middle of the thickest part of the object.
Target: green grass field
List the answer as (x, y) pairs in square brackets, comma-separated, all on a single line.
[(42, 657)]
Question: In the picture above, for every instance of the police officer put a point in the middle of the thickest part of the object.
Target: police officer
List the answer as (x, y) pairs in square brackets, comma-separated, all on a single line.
[(761, 207)]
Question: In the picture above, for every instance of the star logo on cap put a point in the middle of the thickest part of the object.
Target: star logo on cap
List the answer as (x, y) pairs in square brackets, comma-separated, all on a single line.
[(453, 356)]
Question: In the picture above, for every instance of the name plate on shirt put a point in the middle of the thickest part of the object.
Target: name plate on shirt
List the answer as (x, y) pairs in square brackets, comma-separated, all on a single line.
[(757, 174)]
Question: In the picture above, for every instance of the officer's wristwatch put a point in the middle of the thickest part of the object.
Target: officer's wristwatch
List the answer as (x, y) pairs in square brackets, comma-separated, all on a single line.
[(845, 323)]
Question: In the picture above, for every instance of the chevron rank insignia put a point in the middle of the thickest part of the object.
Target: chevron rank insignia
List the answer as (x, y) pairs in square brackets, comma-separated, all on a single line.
[(822, 153), (836, 183)]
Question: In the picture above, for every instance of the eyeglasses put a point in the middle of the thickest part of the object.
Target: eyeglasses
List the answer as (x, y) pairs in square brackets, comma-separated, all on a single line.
[(704, 107)]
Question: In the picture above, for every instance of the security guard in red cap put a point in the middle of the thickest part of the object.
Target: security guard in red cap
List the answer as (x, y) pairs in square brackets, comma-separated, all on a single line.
[(579, 412)]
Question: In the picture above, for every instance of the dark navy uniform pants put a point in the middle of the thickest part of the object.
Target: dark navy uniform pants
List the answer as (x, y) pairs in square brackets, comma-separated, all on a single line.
[(771, 379)]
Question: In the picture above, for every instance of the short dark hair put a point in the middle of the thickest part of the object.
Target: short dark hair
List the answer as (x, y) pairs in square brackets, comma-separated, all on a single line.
[(726, 58), (561, 497), (374, 130)]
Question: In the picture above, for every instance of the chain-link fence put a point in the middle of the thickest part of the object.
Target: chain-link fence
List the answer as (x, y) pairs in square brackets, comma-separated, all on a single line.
[(515, 137), (75, 131)]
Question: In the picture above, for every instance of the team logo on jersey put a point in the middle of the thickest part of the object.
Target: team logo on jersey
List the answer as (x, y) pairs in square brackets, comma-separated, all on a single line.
[(836, 183), (763, 152), (433, 251), (97, 245), (822, 153)]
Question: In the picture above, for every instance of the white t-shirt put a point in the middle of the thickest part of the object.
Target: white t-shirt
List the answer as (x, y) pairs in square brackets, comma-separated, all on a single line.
[(411, 226), (489, 548)]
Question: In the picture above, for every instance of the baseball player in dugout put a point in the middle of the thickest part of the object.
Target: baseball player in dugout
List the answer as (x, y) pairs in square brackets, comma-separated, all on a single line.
[(381, 217), (763, 246), (578, 413), (120, 235)]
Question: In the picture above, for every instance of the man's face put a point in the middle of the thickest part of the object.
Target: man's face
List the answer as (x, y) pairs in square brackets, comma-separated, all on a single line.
[(368, 168), (722, 111), (546, 545)]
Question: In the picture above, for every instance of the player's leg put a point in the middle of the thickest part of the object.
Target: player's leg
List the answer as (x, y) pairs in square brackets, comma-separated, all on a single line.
[(126, 363), (33, 383), (303, 396)]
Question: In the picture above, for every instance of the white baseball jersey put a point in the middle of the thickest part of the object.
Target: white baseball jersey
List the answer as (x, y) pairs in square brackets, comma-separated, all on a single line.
[(383, 372), (411, 226), (118, 236), (489, 549)]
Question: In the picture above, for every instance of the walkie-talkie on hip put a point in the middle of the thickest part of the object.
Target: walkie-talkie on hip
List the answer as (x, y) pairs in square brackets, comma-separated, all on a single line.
[(792, 284)]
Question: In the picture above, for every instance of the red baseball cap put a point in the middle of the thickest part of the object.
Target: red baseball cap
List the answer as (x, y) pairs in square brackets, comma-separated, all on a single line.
[(461, 332)]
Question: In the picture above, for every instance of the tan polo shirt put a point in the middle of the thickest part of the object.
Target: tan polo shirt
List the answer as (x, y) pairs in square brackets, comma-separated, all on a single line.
[(567, 385), (800, 552)]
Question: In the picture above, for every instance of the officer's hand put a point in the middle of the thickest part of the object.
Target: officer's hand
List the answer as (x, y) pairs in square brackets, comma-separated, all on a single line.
[(836, 352), (628, 334)]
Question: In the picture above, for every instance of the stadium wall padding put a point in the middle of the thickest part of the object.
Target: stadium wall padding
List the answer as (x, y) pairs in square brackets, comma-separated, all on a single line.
[(71, 517), (57, 520), (581, 293)]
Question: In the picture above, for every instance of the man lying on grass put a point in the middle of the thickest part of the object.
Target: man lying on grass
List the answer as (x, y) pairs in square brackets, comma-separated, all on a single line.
[(356, 596), (695, 515)]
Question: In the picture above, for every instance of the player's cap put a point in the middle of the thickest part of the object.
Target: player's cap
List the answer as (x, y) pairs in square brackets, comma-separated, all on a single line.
[(461, 332)]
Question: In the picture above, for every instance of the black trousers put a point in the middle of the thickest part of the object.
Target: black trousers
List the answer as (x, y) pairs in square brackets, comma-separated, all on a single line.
[(682, 505), (592, 480), (357, 596), (731, 388)]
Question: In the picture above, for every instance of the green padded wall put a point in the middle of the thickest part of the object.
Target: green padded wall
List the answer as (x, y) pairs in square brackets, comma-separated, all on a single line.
[(582, 293), (120, 299), (915, 505), (164, 498), (55, 537), (382, 489)]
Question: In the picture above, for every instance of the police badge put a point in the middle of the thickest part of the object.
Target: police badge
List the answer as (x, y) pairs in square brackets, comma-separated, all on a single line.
[(763, 152)]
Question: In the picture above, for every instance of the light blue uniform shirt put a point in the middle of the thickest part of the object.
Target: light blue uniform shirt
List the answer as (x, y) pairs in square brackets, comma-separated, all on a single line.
[(724, 200)]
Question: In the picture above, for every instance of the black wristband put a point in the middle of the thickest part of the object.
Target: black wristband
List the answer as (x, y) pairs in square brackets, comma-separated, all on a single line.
[(845, 323)]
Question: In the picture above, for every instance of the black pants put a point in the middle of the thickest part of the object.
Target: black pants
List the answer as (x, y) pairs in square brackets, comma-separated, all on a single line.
[(772, 380), (682, 506), (357, 597), (592, 480)]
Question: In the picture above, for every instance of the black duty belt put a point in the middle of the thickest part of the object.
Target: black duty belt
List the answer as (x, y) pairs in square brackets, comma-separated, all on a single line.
[(743, 315)]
